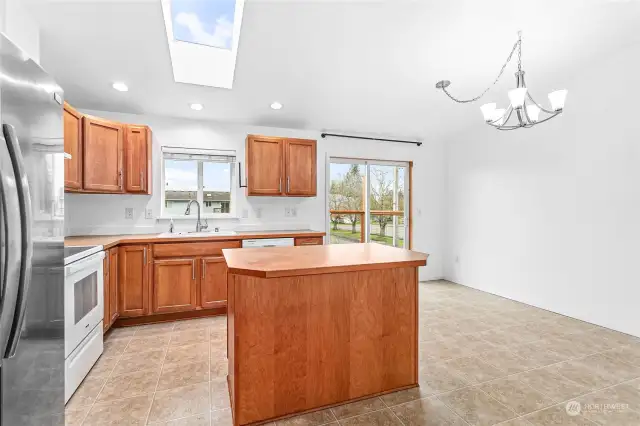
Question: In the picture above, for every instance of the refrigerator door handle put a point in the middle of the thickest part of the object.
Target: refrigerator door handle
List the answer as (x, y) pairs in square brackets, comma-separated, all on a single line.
[(24, 197)]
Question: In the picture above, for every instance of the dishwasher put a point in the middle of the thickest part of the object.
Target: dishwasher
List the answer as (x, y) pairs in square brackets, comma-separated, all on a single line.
[(268, 242)]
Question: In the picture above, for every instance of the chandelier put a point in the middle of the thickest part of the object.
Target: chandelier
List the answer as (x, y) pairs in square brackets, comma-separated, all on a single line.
[(527, 111)]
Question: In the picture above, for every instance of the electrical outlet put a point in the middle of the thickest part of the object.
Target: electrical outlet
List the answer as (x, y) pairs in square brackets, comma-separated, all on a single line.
[(259, 212), (245, 213), (287, 212), (148, 213), (294, 212), (128, 212)]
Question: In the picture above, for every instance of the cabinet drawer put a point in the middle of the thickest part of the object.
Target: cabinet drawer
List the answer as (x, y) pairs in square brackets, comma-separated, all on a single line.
[(193, 249), (309, 241)]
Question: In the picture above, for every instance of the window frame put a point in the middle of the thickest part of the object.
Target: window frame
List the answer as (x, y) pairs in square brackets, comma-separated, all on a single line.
[(200, 193)]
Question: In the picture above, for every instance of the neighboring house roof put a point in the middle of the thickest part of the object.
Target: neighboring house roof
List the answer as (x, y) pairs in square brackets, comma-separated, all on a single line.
[(192, 195)]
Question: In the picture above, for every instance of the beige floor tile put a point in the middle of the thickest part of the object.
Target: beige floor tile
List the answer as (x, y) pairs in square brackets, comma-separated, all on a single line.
[(315, 418), (129, 411), (222, 417), (357, 408), (614, 406), (377, 418), (115, 333), (476, 407), (179, 375), (616, 336), (473, 370), (189, 336), (427, 412), (626, 394), (219, 367), (115, 347), (186, 354), (403, 396), (76, 417), (153, 329), (597, 371), (536, 355), (203, 419), (217, 350), (506, 361), (147, 343), (139, 361), (219, 393), (553, 385), (193, 324), (472, 344), (499, 337), (180, 402), (218, 335), (629, 354), (438, 378), (568, 346), (129, 385), (86, 393), (440, 350), (516, 395), (103, 367), (515, 422), (556, 416)]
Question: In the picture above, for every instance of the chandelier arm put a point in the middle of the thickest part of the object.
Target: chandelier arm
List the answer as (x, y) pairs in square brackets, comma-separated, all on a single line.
[(505, 127), (539, 106), (526, 116), (507, 114), (555, 114)]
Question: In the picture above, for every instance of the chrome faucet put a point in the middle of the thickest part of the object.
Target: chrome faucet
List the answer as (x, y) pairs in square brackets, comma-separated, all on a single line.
[(199, 225)]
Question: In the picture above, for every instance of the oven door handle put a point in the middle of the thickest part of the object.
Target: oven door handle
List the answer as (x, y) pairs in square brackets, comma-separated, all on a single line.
[(84, 263)]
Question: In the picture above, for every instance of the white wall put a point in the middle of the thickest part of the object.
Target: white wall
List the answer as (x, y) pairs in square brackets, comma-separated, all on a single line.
[(550, 216), (104, 214), (17, 22)]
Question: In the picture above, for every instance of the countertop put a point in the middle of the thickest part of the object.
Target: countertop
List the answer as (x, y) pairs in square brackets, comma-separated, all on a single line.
[(108, 241), (271, 262)]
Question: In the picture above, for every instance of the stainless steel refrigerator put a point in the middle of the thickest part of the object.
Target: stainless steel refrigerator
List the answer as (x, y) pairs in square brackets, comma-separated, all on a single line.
[(31, 249)]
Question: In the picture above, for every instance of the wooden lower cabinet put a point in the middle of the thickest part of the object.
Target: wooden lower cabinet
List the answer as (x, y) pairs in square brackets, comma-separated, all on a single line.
[(107, 294), (213, 283), (174, 285), (133, 281), (308, 241)]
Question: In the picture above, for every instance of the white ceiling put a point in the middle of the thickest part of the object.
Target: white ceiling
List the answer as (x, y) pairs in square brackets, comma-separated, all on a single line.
[(357, 66)]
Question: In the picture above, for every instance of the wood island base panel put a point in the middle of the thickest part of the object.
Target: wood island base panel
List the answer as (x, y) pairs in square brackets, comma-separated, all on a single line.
[(302, 342)]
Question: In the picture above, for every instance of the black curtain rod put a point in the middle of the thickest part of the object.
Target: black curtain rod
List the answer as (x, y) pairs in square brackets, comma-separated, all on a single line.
[(324, 135)]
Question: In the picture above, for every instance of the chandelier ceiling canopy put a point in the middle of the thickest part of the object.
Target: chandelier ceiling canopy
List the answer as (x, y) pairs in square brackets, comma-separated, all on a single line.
[(527, 111)]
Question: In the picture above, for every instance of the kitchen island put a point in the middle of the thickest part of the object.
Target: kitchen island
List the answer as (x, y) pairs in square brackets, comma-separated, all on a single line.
[(311, 327)]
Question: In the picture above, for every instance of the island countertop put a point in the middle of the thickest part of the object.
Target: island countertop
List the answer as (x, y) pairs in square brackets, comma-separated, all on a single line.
[(271, 262)]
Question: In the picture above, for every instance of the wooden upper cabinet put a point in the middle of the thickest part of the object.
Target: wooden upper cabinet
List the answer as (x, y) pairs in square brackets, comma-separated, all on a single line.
[(300, 160), (103, 151), (137, 155), (265, 165), (133, 281), (213, 284), (174, 285), (280, 166), (73, 147)]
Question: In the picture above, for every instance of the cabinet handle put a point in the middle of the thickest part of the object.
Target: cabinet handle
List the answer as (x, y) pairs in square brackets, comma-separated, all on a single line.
[(287, 183), (280, 185), (193, 269), (309, 244), (204, 268), (145, 255), (120, 177), (141, 180)]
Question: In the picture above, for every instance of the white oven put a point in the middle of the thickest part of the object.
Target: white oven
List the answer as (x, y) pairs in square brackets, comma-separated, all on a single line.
[(83, 314)]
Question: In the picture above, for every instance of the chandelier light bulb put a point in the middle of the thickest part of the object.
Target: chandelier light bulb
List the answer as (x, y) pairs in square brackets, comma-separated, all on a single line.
[(533, 112), (516, 96), (557, 99), (488, 111)]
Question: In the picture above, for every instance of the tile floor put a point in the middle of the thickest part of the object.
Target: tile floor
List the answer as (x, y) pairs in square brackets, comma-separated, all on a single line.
[(484, 360)]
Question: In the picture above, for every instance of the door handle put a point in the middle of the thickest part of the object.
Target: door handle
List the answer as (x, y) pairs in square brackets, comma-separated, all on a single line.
[(120, 178), (193, 269), (204, 268), (24, 199)]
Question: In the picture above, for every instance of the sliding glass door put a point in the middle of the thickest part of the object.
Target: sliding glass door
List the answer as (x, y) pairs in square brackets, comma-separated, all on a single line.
[(368, 201)]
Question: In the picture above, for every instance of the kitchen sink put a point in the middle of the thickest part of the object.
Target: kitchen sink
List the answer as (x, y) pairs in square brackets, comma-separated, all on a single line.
[(198, 234)]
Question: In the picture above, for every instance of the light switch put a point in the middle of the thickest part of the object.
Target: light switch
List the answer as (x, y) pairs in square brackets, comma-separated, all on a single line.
[(148, 213), (128, 212)]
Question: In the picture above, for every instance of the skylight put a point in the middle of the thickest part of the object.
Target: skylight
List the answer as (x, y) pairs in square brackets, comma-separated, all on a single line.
[(204, 22)]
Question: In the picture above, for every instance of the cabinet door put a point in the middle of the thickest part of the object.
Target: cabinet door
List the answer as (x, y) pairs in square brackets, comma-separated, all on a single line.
[(133, 281), (174, 285), (113, 284), (103, 148), (137, 158), (213, 283), (300, 160), (265, 166), (107, 293), (73, 147), (308, 241)]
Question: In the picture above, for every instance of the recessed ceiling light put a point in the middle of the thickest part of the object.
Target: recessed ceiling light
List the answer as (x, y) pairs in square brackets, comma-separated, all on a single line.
[(276, 105), (120, 87), (197, 107)]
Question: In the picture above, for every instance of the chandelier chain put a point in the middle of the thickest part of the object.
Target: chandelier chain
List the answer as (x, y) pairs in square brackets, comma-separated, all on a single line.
[(517, 45)]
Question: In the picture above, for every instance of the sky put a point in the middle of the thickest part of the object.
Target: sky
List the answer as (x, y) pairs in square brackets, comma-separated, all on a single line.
[(208, 22), (183, 176)]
